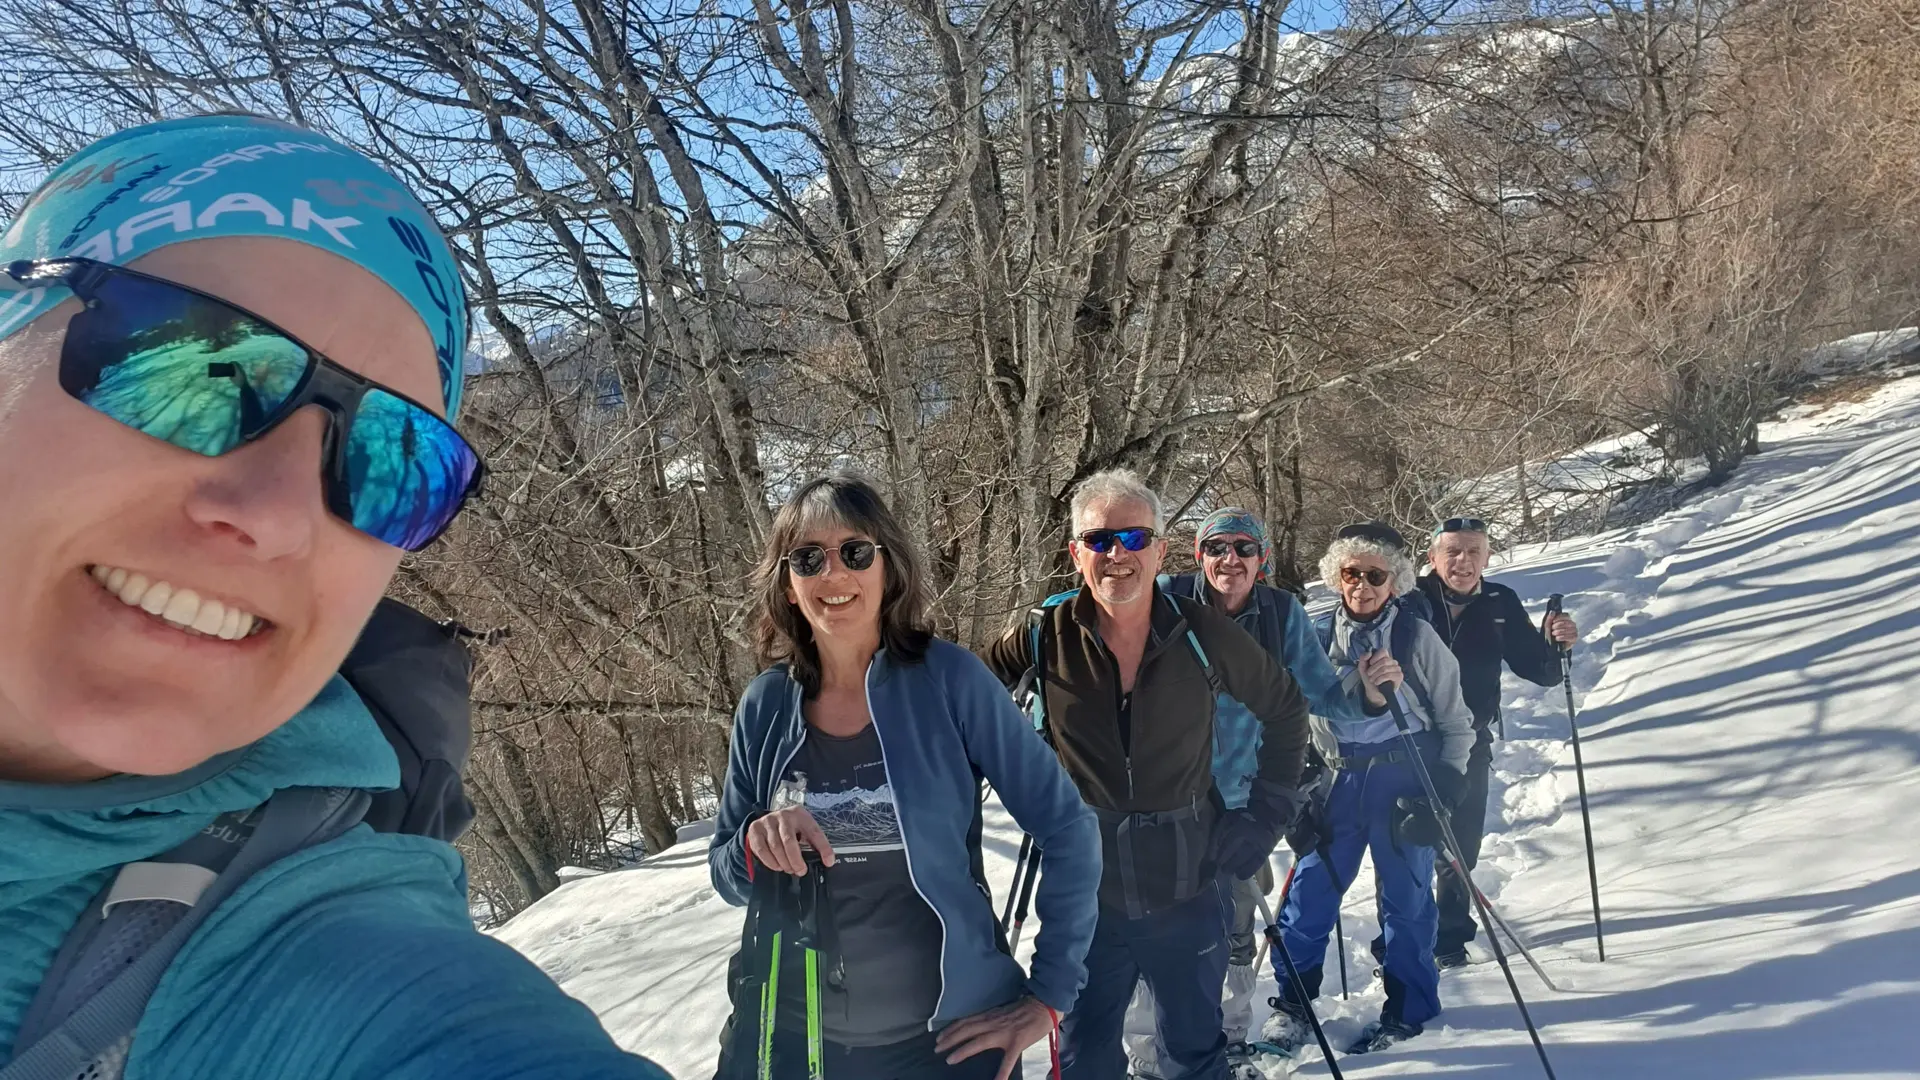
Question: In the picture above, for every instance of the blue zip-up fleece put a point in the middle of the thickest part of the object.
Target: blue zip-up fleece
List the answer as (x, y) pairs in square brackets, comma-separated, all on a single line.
[(942, 723), (353, 960), (1236, 734)]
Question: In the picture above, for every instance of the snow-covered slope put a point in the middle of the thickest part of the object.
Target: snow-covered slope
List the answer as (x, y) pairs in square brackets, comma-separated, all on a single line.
[(1748, 676)]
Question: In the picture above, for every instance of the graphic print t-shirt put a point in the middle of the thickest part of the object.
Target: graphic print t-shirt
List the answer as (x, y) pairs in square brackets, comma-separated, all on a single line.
[(889, 938)]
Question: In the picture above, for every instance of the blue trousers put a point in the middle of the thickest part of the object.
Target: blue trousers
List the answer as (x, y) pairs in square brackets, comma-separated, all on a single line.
[(1359, 818), (1182, 954)]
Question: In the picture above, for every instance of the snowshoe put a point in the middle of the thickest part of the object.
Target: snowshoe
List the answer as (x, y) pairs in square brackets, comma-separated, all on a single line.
[(1285, 1031), (1383, 1033), (1240, 1064), (1452, 958)]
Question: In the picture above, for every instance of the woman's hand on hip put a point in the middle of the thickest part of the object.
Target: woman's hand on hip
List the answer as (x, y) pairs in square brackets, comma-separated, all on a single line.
[(1009, 1029), (776, 838)]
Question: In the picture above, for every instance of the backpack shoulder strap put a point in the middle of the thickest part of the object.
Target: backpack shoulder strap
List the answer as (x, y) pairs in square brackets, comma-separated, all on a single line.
[(1401, 644), (1030, 692), (1193, 642), (1323, 626), (81, 1026), (1274, 613), (416, 677)]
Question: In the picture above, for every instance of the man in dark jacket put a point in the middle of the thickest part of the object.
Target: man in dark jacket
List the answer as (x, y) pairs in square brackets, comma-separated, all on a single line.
[(1485, 625), (1129, 675)]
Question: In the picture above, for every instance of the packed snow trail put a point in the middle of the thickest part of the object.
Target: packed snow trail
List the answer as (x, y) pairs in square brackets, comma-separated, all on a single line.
[(1748, 676)]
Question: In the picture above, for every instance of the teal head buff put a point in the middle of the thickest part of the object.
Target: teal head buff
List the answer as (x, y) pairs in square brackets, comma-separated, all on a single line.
[(230, 175)]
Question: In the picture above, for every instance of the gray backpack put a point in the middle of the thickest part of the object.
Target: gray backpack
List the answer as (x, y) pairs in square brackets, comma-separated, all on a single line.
[(414, 675)]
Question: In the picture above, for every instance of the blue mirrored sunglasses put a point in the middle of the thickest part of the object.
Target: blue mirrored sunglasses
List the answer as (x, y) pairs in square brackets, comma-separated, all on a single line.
[(1102, 540), (204, 375)]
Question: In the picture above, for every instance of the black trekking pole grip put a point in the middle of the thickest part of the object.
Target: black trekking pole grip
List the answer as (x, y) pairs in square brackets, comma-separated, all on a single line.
[(1453, 853)]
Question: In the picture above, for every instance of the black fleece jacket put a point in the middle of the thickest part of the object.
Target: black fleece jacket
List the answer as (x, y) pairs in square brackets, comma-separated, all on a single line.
[(1493, 628)]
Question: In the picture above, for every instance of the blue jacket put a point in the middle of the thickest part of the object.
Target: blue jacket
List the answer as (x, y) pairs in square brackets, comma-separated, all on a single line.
[(1278, 622), (354, 960), (943, 723)]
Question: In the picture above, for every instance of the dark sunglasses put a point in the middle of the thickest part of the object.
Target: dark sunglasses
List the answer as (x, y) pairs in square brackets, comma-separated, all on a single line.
[(810, 560), (1461, 524), (204, 375), (1354, 575), (1102, 540), (1214, 549)]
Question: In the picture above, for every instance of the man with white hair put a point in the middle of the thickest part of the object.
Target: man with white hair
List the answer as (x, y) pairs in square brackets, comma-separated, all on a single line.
[(1484, 625), (1128, 678), (1377, 803)]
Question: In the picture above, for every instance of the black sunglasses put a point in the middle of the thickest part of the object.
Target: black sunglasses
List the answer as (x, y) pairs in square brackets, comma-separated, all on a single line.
[(1102, 540), (810, 560), (1461, 524), (1354, 575), (204, 375), (1217, 548)]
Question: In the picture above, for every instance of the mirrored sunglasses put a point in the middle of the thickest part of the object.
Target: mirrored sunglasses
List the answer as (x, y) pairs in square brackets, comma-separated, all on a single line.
[(1218, 548), (810, 560), (204, 375), (1102, 540)]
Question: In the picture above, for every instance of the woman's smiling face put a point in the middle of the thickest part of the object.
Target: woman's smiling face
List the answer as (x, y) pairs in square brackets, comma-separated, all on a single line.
[(158, 607)]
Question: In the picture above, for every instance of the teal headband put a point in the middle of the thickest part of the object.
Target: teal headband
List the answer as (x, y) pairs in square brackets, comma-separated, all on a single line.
[(209, 176)]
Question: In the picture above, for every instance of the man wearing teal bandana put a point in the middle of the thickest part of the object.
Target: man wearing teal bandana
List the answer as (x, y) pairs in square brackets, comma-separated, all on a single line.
[(230, 350)]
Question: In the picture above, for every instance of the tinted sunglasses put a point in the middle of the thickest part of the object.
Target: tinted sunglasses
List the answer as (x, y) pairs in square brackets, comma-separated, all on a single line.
[(1214, 549), (204, 375), (1354, 575), (1102, 540), (1461, 524), (810, 560)]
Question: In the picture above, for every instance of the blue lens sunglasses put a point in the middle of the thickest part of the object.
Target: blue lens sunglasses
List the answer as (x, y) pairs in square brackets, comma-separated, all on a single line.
[(205, 375), (1102, 540)]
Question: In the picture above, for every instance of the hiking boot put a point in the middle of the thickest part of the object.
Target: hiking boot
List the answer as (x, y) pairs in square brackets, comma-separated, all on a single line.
[(1454, 957), (1383, 1033), (1286, 1030)]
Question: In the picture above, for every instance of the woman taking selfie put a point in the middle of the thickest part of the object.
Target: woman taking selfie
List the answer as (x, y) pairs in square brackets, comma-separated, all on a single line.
[(230, 354), (855, 765)]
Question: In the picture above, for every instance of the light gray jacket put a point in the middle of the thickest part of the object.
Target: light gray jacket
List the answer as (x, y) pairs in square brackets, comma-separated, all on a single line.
[(1432, 665)]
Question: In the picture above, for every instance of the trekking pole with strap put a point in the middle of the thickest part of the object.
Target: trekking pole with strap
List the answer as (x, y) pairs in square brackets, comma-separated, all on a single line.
[(1580, 773), (1279, 948), (1441, 815)]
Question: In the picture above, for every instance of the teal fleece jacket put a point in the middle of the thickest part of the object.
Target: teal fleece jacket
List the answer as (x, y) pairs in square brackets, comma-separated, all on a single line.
[(352, 960)]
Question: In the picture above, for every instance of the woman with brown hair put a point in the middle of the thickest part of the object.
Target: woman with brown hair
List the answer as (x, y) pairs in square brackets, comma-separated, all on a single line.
[(860, 749)]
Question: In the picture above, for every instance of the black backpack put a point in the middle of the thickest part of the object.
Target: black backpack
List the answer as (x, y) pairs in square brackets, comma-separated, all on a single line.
[(414, 675)]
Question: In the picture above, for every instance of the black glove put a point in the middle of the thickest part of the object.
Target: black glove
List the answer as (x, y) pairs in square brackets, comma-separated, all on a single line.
[(1241, 843), (1308, 827), (1449, 785), (1305, 834), (1414, 822)]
